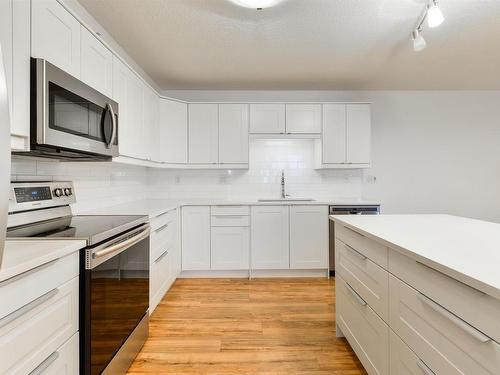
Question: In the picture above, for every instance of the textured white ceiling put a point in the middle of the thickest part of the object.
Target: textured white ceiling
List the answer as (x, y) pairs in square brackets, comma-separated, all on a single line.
[(306, 44)]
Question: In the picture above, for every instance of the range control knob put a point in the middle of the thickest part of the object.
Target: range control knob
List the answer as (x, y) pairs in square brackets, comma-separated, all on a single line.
[(67, 192), (58, 192)]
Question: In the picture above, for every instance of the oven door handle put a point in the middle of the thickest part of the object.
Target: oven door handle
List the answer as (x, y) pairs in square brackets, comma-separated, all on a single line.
[(122, 245)]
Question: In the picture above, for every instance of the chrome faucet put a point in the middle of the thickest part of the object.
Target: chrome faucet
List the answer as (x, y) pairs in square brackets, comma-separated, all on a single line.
[(283, 193)]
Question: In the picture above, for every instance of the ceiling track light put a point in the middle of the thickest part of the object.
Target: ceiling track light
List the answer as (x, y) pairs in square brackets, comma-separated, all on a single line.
[(434, 18)]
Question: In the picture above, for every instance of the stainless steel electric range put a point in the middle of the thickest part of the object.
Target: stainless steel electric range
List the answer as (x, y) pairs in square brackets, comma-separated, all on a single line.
[(114, 270)]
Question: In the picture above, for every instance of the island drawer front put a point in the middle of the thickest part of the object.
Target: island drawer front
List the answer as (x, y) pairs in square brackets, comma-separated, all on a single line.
[(369, 280), (24, 288), (162, 239), (447, 345), (229, 221), (476, 308), (367, 333), (34, 334), (369, 248), (64, 361), (403, 361), (230, 210), (160, 220)]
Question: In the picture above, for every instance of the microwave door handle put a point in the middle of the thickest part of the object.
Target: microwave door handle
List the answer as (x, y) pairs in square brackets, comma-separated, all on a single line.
[(113, 122)]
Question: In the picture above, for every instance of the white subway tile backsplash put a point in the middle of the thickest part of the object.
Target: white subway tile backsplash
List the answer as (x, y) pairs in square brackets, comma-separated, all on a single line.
[(101, 184)]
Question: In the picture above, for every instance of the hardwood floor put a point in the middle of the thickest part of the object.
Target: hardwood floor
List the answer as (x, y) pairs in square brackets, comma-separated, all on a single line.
[(237, 326)]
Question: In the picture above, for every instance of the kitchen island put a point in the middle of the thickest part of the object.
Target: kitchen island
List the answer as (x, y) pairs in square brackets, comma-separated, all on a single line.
[(419, 293)]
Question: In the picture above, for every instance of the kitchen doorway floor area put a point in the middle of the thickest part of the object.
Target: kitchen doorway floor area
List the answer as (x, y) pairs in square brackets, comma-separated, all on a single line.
[(239, 326)]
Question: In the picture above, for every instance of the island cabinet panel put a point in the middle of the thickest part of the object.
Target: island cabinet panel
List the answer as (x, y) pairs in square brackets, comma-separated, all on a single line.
[(403, 361), (477, 308), (446, 343), (370, 280), (362, 244), (367, 333)]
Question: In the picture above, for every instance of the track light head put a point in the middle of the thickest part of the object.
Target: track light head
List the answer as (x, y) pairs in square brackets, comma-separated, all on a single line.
[(419, 42), (434, 15)]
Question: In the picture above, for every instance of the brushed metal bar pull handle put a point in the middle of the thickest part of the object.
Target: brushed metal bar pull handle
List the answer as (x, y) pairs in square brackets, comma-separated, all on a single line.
[(356, 296), (449, 277), (162, 214), (27, 308), (354, 231), (425, 369), (121, 245), (45, 364), (229, 215), (29, 272), (356, 252), (466, 327), (165, 253), (162, 228)]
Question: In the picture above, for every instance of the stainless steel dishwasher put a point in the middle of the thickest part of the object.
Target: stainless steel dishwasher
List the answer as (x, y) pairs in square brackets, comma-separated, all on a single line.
[(346, 210)]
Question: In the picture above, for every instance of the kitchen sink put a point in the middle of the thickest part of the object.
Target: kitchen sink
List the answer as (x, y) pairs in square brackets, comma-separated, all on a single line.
[(289, 199)]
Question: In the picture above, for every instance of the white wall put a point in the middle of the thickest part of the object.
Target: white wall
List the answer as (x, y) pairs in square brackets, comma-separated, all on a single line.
[(96, 184), (433, 151)]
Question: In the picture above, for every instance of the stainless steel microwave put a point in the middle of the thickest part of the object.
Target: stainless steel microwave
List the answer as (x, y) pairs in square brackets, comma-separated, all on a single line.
[(69, 119)]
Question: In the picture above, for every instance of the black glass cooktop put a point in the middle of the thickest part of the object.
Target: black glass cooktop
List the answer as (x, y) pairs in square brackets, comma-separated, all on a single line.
[(92, 228)]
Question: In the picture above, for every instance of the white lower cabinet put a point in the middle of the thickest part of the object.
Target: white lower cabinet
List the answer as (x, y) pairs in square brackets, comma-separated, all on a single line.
[(29, 335), (367, 333), (308, 237), (403, 360), (447, 344), (230, 248), (64, 361), (195, 238), (270, 237), (165, 256)]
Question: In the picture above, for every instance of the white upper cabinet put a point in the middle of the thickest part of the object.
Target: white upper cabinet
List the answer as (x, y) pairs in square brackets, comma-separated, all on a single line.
[(15, 31), (203, 133), (233, 133), (358, 133), (334, 133), (97, 63), (303, 118), (55, 35), (6, 29), (346, 135), (151, 123), (128, 92), (270, 237), (196, 238), (173, 131), (308, 237), (267, 118)]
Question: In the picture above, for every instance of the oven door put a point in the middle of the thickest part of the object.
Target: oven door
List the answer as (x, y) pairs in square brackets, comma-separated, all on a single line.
[(71, 115), (114, 296)]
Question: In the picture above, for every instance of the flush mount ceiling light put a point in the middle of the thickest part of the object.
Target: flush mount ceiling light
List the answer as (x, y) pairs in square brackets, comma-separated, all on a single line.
[(434, 17), (256, 4)]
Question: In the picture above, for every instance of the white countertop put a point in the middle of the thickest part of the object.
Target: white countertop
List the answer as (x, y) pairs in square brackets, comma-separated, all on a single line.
[(23, 255), (465, 249), (155, 207)]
